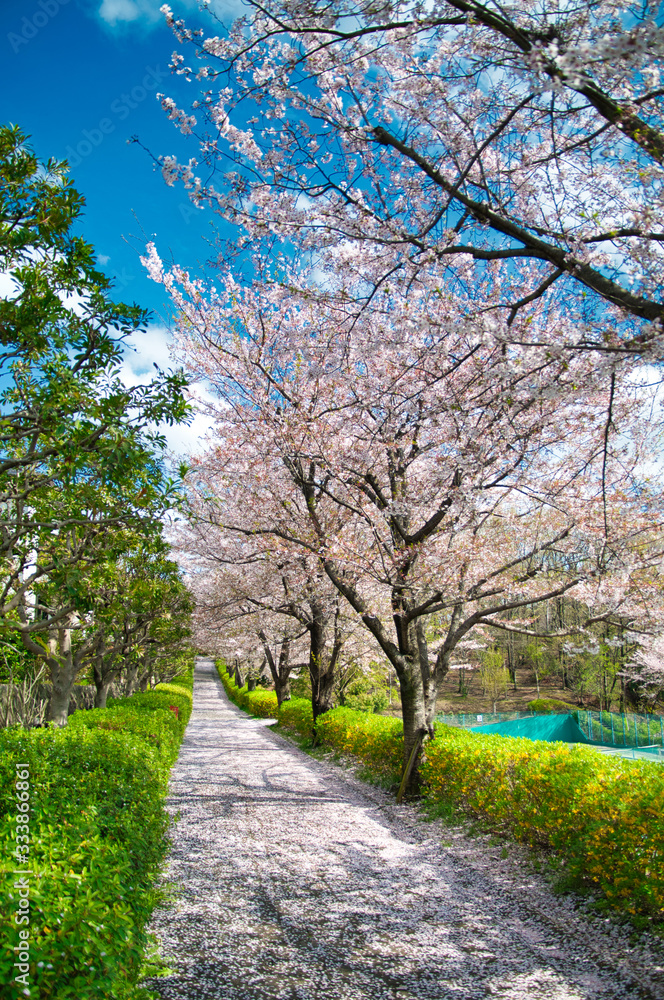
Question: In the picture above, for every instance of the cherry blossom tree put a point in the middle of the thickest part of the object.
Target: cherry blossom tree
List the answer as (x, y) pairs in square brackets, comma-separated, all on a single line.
[(427, 378), (429, 470), (511, 153), (277, 597), (645, 669)]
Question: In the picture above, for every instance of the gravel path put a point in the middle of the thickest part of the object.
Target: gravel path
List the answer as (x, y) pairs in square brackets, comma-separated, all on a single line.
[(298, 882)]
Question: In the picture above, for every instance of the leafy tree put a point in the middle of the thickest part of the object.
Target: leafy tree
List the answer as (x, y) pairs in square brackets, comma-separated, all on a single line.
[(79, 452), (493, 674), (140, 611)]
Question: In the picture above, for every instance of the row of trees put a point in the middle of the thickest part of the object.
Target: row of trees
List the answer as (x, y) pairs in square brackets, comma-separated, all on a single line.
[(605, 665), (434, 374), (85, 577)]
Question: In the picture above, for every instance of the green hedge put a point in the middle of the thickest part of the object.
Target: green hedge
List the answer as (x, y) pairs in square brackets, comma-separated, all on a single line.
[(374, 739), (98, 840), (260, 703), (605, 816), (297, 716), (551, 705)]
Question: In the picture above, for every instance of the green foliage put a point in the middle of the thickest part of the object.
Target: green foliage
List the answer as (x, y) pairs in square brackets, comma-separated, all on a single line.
[(301, 686), (366, 693), (493, 673), (605, 817), (550, 705), (375, 740), (260, 703), (297, 716), (15, 663), (98, 840), (78, 449)]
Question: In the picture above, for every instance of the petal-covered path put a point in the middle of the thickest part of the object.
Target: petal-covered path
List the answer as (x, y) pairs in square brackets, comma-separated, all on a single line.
[(298, 882)]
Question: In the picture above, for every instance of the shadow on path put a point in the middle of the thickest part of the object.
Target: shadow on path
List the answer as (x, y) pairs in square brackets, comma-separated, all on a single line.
[(296, 883)]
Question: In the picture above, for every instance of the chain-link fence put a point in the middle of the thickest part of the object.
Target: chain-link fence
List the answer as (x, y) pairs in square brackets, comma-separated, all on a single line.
[(610, 729)]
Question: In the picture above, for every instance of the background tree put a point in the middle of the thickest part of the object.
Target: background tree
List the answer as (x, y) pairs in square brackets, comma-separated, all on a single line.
[(493, 674), (279, 598)]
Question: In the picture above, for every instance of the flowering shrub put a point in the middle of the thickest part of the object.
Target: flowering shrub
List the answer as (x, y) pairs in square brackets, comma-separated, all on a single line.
[(298, 716), (375, 740), (605, 816), (98, 837), (262, 704)]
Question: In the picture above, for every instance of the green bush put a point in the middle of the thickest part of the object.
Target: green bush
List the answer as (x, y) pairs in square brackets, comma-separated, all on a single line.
[(300, 685), (98, 840), (366, 694), (260, 703), (604, 816), (297, 716), (551, 705), (375, 740)]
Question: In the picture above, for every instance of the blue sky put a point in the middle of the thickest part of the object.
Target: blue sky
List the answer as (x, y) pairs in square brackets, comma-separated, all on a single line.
[(80, 77)]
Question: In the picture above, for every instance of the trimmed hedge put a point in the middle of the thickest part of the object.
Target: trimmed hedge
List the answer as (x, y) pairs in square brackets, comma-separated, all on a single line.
[(98, 840), (374, 739), (261, 703), (297, 716), (603, 816)]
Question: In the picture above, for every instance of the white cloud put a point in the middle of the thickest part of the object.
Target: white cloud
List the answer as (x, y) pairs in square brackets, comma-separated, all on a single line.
[(103, 258), (119, 12), (9, 287), (142, 353), (116, 11)]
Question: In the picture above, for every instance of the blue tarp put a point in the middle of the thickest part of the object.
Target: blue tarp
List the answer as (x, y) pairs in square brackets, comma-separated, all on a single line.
[(539, 727)]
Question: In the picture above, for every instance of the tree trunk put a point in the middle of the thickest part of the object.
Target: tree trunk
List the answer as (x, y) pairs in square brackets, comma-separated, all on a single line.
[(102, 692), (418, 685), (511, 665), (63, 677), (103, 678), (280, 672), (415, 723), (321, 670), (131, 683), (63, 665)]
